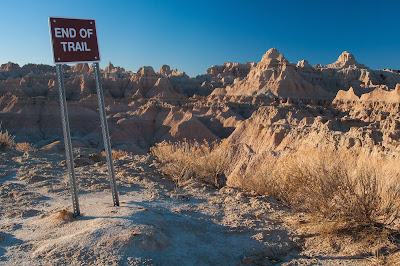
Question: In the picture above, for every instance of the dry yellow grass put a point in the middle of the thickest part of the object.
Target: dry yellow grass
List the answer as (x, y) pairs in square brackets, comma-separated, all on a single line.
[(24, 146), (344, 186), (348, 195), (345, 193), (261, 178), (339, 185), (64, 215), (6, 140), (184, 160), (116, 154)]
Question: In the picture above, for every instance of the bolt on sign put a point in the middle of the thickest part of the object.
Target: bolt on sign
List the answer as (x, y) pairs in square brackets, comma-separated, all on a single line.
[(75, 41)]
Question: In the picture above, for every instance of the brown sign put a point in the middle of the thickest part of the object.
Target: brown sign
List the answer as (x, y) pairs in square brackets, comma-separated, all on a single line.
[(74, 40)]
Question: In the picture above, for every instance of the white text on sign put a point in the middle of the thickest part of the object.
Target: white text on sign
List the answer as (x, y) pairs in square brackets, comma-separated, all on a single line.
[(71, 33)]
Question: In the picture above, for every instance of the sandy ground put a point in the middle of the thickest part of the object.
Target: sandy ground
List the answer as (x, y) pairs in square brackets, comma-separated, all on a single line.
[(156, 224)]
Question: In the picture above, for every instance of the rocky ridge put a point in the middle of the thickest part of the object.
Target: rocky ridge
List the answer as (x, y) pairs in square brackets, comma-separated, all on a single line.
[(274, 76), (146, 107)]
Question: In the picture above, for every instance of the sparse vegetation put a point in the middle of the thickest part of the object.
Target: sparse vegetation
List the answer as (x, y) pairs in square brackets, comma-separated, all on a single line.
[(191, 159), (116, 154), (353, 194), (24, 146), (64, 215), (340, 186), (6, 139)]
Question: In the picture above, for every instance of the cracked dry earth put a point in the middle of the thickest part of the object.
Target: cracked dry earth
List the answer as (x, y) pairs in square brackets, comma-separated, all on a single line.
[(156, 224)]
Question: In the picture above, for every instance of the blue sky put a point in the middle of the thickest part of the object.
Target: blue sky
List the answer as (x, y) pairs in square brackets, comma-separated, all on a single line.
[(193, 35)]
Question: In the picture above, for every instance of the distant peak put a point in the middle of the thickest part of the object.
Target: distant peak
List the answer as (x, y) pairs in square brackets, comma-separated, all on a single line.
[(110, 67), (272, 53), (146, 70), (9, 66), (345, 59), (272, 58), (303, 63), (84, 67), (165, 69)]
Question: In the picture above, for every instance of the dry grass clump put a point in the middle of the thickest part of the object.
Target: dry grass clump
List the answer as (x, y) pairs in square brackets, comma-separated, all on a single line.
[(341, 186), (345, 193), (191, 159), (64, 215), (260, 176), (348, 188), (348, 194), (6, 140), (24, 146), (116, 154)]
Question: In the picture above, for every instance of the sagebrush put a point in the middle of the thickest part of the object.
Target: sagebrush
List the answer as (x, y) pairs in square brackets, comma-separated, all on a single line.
[(340, 186), (6, 139), (191, 159)]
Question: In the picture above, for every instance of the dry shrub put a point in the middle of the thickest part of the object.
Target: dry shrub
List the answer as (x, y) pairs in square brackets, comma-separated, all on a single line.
[(347, 194), (260, 176), (6, 140), (64, 215), (352, 190), (24, 146), (191, 159), (116, 154), (342, 186)]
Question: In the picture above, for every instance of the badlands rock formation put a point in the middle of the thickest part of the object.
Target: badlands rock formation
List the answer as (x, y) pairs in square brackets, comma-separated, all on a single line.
[(215, 77), (231, 69), (143, 108), (147, 107), (275, 76), (380, 94), (166, 71)]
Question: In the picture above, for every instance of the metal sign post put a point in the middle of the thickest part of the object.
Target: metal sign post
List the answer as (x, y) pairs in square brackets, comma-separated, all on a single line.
[(106, 136), (75, 41), (67, 141)]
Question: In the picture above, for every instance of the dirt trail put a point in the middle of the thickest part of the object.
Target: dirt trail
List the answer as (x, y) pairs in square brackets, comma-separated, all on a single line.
[(156, 224)]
